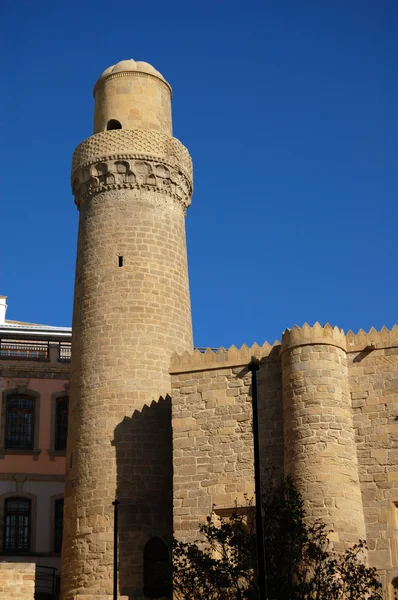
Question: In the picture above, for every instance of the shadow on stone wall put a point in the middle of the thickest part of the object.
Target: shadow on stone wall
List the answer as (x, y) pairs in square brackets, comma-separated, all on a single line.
[(270, 414), (143, 445)]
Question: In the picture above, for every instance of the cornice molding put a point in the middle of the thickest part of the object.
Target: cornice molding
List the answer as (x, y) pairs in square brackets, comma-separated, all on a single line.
[(137, 73)]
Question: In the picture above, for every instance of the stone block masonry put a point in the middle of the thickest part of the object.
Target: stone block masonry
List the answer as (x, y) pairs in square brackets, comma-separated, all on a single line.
[(132, 184), (373, 377), (150, 419), (320, 451), (212, 432), (17, 581), (328, 415)]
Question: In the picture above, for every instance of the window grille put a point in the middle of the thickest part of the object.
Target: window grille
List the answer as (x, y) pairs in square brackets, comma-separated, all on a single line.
[(24, 350), (17, 525), (20, 422), (64, 352)]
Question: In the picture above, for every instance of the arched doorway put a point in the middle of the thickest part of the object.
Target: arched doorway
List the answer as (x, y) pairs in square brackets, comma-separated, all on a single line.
[(156, 574)]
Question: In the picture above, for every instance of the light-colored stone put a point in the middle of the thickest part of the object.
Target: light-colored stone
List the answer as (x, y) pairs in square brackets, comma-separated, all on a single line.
[(17, 580), (327, 401), (131, 313)]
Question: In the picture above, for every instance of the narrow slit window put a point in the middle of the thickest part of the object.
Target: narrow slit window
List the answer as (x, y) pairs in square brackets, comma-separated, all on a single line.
[(120, 261)]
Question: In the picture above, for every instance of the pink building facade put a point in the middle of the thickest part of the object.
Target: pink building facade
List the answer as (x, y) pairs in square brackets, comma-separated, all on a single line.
[(34, 386)]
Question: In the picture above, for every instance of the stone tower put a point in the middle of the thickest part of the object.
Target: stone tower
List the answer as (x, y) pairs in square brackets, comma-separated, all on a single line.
[(320, 447), (132, 183)]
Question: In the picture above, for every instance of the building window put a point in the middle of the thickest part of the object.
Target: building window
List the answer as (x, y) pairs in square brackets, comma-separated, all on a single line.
[(113, 124), (17, 525), (61, 423), (156, 557), (58, 524), (20, 422)]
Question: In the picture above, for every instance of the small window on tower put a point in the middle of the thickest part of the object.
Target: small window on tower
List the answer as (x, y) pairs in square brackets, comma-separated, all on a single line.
[(120, 261), (113, 124)]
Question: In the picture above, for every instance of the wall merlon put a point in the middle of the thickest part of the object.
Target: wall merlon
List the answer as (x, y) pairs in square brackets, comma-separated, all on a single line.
[(317, 334), (297, 336), (221, 357), (373, 339)]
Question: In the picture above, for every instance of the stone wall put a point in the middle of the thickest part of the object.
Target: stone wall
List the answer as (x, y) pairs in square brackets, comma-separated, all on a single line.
[(17, 581), (335, 431), (212, 431), (320, 450), (373, 371)]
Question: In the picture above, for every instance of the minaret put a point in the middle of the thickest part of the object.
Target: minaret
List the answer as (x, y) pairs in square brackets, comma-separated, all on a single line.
[(132, 183)]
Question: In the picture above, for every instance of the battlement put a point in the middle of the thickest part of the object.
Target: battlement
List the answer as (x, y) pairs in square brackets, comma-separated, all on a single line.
[(216, 358), (373, 339), (221, 357), (305, 335)]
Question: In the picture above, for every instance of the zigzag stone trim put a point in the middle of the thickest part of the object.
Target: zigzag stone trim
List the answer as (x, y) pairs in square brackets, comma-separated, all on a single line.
[(220, 358), (301, 336), (385, 338)]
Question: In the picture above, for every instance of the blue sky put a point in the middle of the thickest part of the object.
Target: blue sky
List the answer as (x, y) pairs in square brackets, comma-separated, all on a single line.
[(289, 111)]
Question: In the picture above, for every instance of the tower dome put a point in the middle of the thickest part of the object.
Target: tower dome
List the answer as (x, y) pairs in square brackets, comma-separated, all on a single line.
[(132, 65), (132, 95)]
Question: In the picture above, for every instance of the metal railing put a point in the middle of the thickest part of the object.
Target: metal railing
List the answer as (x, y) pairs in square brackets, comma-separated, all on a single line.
[(37, 350), (45, 581), (24, 350), (64, 352), (204, 348), (40, 350)]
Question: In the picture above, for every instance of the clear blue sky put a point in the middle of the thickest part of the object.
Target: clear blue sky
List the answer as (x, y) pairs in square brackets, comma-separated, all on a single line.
[(289, 110)]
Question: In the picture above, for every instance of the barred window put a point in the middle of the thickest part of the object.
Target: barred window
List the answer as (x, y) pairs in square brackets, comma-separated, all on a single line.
[(20, 422), (61, 423), (17, 519), (58, 524)]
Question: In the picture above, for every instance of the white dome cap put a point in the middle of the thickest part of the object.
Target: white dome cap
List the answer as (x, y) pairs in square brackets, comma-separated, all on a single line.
[(132, 65)]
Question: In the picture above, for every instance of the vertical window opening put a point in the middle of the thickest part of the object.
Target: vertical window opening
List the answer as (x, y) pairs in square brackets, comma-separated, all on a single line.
[(58, 524), (17, 525), (20, 422), (61, 423), (120, 261)]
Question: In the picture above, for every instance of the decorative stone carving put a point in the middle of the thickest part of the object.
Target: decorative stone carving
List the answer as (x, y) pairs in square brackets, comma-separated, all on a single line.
[(132, 172), (121, 143)]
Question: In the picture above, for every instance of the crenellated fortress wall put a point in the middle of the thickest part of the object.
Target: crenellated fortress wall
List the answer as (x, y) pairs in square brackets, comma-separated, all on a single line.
[(328, 414)]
